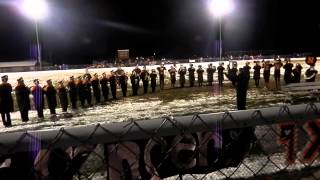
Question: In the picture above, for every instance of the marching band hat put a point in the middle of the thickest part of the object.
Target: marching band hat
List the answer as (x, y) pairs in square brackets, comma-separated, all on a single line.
[(20, 79), (4, 77)]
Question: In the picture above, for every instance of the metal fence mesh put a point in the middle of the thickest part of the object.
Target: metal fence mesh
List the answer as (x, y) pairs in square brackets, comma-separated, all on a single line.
[(271, 143)]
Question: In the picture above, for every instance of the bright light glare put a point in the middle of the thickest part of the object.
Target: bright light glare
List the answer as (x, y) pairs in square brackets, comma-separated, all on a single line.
[(221, 8), (34, 9)]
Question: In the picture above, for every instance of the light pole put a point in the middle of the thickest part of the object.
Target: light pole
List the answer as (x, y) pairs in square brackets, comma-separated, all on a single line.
[(220, 8), (35, 10)]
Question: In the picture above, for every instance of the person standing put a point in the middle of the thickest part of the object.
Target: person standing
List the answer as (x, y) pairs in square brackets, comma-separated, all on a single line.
[(277, 68), (6, 101), (246, 70), (81, 91), (210, 73), (73, 92), (297, 73), (22, 96), (288, 71), (242, 88), (182, 72), (38, 97), (51, 93), (266, 72), (172, 71), (104, 86), (63, 96), (145, 79), (96, 87), (138, 73), (123, 79), (256, 73), (192, 78), (134, 78), (200, 75), (220, 74), (113, 84), (153, 77), (161, 70), (232, 73), (87, 90)]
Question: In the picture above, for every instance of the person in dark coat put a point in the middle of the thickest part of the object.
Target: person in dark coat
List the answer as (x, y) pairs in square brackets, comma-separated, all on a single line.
[(266, 72), (134, 78), (123, 82), (51, 94), (192, 78), (73, 92), (87, 90), (256, 73), (220, 74), (145, 79), (153, 77), (113, 84), (210, 73), (288, 71), (22, 96), (138, 73), (232, 73), (63, 96), (277, 68), (297, 73), (161, 70), (104, 86), (81, 91), (96, 87), (182, 72), (246, 70), (38, 97), (6, 101), (200, 75), (172, 71), (242, 88)]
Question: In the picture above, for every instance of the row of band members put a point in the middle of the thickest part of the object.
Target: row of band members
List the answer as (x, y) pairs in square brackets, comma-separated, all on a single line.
[(80, 88)]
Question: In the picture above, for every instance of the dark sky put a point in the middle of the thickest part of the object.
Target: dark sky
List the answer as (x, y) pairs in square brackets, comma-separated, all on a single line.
[(78, 31)]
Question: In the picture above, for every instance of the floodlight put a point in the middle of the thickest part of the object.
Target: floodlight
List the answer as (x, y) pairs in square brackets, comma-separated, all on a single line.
[(34, 9), (220, 8)]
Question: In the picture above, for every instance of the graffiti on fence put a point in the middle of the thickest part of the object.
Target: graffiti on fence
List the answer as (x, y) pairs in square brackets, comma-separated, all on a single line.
[(289, 138), (182, 154)]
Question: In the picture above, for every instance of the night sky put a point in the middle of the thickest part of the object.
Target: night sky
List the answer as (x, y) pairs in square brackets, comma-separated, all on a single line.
[(78, 31)]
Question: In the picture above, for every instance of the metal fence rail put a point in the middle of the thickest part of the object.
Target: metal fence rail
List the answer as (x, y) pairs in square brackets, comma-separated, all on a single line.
[(237, 144)]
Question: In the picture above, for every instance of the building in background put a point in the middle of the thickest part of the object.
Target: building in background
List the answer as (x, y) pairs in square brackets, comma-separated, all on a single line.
[(18, 66), (123, 56)]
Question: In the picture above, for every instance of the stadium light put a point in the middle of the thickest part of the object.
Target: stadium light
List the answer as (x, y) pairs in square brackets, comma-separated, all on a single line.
[(35, 10), (219, 9)]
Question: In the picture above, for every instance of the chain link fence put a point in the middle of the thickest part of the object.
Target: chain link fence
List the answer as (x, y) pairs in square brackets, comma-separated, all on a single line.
[(270, 143)]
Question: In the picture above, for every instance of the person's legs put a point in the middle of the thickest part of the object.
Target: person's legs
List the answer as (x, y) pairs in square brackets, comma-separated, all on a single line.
[(8, 119)]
